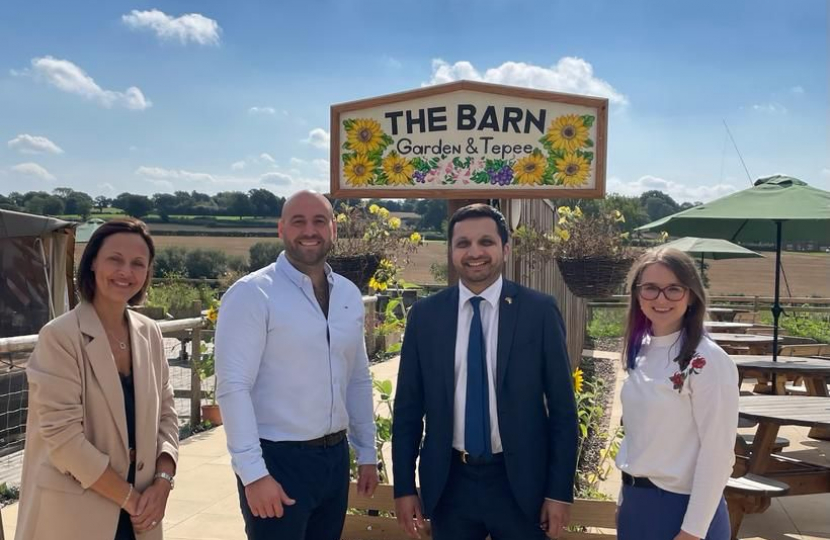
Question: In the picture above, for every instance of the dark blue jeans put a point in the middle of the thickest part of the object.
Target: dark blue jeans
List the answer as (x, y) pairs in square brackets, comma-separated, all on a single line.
[(317, 478), (477, 501), (656, 514)]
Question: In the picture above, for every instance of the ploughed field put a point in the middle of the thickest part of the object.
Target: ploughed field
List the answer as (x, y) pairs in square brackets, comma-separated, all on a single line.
[(808, 274)]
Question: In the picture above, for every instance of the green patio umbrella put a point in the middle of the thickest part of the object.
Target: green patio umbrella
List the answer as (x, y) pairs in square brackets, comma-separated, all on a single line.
[(776, 209), (711, 248)]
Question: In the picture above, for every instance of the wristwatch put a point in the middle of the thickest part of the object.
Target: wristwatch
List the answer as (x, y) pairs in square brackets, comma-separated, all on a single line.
[(167, 477)]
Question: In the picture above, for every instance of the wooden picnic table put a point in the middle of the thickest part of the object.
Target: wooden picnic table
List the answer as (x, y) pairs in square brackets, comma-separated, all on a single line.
[(724, 313), (772, 412), (728, 326), (815, 373), (756, 344)]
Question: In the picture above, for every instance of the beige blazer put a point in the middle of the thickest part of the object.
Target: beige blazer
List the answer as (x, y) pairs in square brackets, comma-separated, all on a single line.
[(77, 425)]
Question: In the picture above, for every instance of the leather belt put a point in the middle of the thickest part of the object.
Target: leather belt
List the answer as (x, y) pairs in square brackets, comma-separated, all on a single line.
[(638, 481), (468, 459), (326, 441)]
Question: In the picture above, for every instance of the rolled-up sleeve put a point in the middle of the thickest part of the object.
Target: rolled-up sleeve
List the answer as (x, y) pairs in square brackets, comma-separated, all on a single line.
[(360, 408), (55, 398), (241, 334)]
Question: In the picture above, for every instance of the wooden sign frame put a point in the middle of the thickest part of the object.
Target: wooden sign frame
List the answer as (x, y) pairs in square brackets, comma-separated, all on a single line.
[(597, 146)]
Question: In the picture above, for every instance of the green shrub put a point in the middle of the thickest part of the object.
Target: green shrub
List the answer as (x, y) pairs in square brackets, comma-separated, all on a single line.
[(262, 254), (809, 325), (173, 295), (237, 263), (206, 263), (607, 323), (170, 260)]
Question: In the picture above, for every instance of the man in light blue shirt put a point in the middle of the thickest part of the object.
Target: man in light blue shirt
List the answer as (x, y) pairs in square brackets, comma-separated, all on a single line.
[(292, 379)]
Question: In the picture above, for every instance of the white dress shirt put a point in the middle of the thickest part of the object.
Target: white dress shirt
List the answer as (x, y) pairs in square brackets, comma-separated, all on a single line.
[(287, 373), (490, 326), (682, 438)]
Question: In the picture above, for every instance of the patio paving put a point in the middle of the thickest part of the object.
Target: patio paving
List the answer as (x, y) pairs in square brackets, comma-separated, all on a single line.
[(205, 505)]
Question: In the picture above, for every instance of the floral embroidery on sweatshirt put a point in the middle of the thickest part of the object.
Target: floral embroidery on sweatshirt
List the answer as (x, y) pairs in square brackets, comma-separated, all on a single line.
[(694, 366)]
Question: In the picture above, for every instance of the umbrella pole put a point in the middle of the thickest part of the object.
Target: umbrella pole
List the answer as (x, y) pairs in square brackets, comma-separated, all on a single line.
[(776, 307)]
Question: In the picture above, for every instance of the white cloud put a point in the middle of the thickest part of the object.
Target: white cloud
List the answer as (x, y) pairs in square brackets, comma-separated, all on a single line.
[(276, 179), (263, 110), (825, 172), (322, 165), (192, 27), (571, 75), (106, 188), (34, 144), (267, 157), (70, 78), (296, 162), (158, 173), (770, 108), (318, 137), (679, 192), (797, 90), (32, 169), (238, 165)]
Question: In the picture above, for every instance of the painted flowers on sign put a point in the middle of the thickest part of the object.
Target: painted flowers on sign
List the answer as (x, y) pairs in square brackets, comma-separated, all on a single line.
[(565, 158)]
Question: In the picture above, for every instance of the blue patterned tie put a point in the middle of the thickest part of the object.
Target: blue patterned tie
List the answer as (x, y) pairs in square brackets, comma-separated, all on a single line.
[(477, 409)]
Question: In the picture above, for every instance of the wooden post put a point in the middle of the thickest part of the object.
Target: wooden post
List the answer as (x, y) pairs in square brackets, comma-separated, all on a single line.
[(195, 380)]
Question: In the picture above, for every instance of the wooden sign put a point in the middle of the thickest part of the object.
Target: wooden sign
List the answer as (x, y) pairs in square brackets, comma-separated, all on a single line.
[(469, 140)]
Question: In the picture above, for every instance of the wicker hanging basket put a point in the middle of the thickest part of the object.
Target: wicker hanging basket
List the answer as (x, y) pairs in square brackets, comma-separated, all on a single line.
[(358, 269), (594, 277)]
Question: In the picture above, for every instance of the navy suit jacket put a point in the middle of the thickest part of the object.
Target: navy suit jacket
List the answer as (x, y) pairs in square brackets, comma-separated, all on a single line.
[(534, 395)]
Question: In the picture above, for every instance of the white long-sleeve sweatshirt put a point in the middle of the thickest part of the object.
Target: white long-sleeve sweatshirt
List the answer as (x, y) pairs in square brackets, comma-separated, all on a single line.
[(680, 427)]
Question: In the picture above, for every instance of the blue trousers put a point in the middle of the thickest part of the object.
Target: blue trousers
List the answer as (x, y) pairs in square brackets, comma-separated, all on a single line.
[(317, 478), (656, 514), (478, 501)]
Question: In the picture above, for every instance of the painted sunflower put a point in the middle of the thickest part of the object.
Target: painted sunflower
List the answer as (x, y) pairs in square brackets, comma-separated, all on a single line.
[(573, 170), (365, 136), (530, 169), (568, 133), (359, 170), (398, 169)]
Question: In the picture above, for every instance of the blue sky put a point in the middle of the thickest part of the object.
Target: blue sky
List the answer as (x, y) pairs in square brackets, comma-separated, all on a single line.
[(116, 96)]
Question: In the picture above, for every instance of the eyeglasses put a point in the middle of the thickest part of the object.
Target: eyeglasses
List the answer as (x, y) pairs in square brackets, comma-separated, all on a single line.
[(673, 293)]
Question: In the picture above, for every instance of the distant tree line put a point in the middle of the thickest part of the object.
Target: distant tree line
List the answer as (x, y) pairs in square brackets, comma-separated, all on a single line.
[(261, 203)]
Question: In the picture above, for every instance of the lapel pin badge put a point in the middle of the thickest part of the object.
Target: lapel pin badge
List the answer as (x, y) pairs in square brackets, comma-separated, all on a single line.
[(508, 299)]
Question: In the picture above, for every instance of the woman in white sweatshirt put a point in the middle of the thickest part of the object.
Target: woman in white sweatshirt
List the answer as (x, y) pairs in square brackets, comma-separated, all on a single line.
[(680, 408)]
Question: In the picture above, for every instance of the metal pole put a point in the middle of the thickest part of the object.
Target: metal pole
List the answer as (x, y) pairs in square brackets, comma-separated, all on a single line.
[(776, 306)]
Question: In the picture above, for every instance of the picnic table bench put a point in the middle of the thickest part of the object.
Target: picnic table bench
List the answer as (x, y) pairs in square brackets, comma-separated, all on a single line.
[(775, 475), (373, 518)]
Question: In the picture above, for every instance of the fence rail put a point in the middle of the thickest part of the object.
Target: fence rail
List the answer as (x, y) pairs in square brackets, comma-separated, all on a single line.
[(755, 303)]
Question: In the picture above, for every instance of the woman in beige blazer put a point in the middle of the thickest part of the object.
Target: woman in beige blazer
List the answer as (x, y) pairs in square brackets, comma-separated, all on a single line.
[(102, 432)]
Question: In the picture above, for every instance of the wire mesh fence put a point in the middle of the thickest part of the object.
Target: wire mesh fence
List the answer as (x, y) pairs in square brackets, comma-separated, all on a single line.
[(179, 337)]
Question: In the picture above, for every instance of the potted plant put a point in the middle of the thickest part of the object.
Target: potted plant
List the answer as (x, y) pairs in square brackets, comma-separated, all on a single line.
[(592, 252), (206, 369), (366, 236)]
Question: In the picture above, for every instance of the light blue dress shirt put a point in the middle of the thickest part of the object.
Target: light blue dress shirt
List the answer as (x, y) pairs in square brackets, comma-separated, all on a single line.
[(286, 373)]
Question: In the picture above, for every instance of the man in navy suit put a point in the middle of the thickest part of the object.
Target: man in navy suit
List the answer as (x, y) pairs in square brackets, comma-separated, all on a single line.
[(485, 364)]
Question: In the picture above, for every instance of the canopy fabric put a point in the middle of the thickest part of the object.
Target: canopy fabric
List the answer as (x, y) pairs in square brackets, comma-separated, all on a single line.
[(19, 224), (711, 248), (750, 215)]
